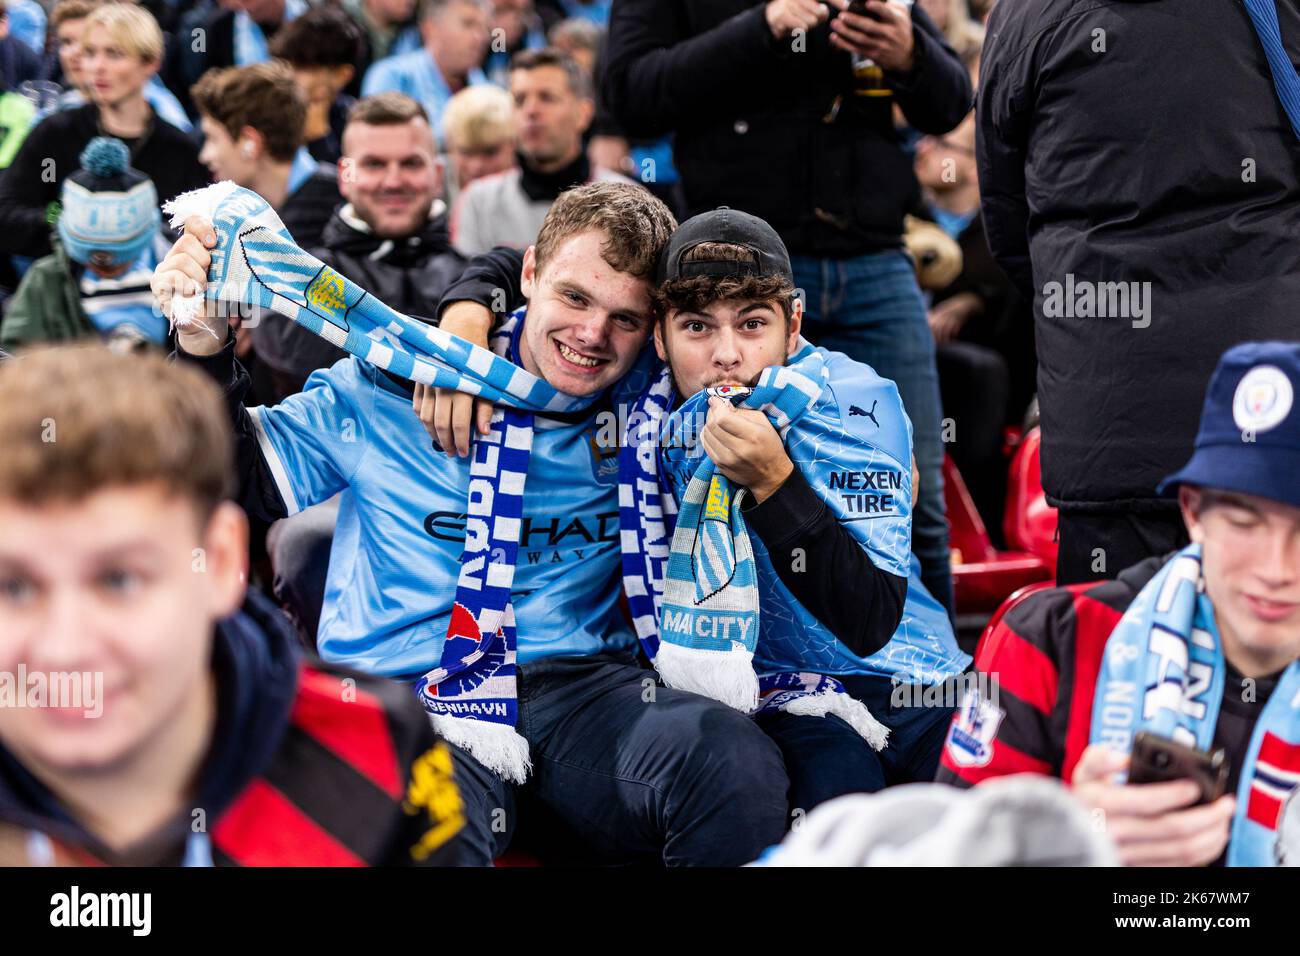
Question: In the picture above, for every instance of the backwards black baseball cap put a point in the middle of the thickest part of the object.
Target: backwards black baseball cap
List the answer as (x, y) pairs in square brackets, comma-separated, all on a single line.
[(730, 226)]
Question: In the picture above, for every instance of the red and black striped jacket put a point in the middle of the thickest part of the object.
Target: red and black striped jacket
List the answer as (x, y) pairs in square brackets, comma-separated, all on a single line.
[(1042, 659), (359, 779), (309, 765)]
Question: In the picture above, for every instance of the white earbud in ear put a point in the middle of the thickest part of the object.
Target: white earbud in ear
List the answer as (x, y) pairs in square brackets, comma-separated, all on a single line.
[(248, 150)]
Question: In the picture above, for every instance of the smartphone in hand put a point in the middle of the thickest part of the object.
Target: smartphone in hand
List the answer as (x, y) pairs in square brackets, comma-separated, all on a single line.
[(1156, 759)]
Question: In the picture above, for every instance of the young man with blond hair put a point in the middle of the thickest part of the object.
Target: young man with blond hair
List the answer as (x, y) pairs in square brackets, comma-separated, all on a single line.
[(479, 132)]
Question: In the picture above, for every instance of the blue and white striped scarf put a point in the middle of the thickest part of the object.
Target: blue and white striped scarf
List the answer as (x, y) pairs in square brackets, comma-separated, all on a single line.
[(256, 263), (1163, 671), (472, 694), (690, 577)]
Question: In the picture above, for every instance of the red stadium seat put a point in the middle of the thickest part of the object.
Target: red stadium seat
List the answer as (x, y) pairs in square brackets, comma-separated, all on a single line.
[(982, 575), (1030, 522)]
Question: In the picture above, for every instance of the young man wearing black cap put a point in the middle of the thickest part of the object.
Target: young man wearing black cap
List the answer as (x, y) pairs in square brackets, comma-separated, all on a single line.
[(1200, 647), (828, 508)]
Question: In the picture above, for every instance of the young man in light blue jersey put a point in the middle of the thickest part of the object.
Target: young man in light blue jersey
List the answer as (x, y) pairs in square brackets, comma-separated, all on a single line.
[(828, 504), (626, 770)]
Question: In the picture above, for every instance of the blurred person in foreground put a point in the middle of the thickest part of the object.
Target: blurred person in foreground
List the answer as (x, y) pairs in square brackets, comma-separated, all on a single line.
[(167, 715)]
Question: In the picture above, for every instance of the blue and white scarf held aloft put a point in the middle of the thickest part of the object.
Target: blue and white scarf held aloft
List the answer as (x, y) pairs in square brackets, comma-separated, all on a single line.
[(1164, 671)]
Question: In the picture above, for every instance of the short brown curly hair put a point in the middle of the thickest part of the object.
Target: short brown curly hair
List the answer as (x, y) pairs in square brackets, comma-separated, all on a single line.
[(636, 224)]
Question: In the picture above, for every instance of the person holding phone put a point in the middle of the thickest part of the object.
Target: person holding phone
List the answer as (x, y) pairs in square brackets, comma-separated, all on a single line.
[(1182, 661)]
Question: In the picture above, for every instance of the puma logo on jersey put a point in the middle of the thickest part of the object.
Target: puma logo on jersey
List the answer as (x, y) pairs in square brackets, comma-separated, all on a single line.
[(854, 410)]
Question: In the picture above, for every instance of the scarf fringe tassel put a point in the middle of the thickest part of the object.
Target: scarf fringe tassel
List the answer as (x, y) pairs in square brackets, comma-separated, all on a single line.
[(498, 747), (726, 676), (852, 712)]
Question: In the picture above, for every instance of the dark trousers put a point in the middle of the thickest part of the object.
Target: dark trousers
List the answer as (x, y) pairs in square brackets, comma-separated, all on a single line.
[(1094, 546), (299, 547), (826, 758), (626, 771)]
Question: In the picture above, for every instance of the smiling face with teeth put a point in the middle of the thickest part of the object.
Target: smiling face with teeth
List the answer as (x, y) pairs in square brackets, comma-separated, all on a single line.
[(587, 322), (1251, 563)]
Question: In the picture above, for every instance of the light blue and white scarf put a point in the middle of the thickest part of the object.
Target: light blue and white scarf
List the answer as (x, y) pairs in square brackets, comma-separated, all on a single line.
[(472, 693), (256, 263), (694, 601), (1163, 671)]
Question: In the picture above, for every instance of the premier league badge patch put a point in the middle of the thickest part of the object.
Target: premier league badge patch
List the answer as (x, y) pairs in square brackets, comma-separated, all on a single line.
[(971, 736)]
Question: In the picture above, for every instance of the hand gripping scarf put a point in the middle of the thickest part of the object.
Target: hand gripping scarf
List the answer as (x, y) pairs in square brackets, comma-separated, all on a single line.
[(471, 695), (1163, 671), (694, 602), (257, 263)]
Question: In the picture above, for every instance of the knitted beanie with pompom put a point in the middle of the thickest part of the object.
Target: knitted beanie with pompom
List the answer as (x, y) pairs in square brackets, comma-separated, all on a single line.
[(110, 211)]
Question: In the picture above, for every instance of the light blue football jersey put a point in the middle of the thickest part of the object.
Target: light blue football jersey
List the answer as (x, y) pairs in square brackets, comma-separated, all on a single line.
[(401, 527), (854, 449)]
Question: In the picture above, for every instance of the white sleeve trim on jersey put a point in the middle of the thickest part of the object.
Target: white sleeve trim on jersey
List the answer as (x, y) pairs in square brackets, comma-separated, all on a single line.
[(273, 461)]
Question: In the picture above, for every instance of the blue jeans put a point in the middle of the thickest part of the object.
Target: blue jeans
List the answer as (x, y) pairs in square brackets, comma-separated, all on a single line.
[(870, 308), (826, 758), (627, 772)]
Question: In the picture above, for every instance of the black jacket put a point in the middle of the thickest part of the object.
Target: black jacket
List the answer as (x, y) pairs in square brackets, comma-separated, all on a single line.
[(292, 751), (310, 207), (814, 555), (408, 276), (52, 152), (1166, 159), (750, 118), (1006, 323)]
